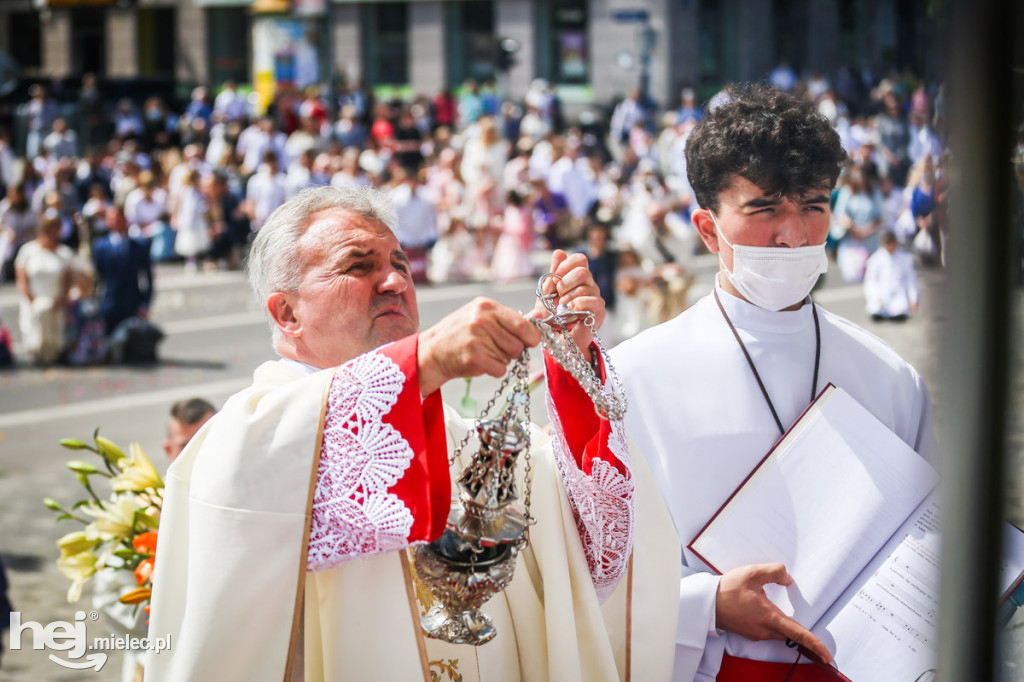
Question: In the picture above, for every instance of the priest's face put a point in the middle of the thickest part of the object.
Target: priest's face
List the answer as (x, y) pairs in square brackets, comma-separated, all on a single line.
[(357, 292)]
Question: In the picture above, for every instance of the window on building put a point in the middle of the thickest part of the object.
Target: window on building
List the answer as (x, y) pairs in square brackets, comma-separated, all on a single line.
[(156, 39), (569, 42), (791, 30), (228, 32), (89, 41), (471, 41), (24, 39), (718, 51), (386, 48)]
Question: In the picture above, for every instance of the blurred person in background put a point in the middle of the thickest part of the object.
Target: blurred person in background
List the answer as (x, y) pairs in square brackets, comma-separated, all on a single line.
[(187, 417), (416, 224), (890, 282), (513, 250), (62, 142), (40, 112), (667, 254), (44, 272), (265, 190), (855, 224), (92, 119), (229, 103), (191, 223), (145, 204), (127, 122), (123, 272), (18, 223)]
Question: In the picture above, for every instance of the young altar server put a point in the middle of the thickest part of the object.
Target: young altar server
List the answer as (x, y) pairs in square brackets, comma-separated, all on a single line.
[(711, 390)]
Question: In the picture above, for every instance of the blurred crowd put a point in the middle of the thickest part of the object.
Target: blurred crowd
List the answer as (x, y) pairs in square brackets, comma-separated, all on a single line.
[(480, 184)]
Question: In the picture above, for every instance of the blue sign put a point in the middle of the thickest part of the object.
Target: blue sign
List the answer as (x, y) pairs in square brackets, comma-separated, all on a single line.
[(630, 16)]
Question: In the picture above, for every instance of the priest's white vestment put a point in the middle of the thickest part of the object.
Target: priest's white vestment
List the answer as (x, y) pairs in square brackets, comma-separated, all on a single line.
[(265, 571), (699, 420)]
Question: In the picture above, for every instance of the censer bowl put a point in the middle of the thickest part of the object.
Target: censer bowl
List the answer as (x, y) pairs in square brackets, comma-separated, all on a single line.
[(460, 581)]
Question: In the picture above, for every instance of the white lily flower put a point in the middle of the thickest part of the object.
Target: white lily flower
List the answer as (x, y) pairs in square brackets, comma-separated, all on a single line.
[(79, 567), (137, 472), (115, 521)]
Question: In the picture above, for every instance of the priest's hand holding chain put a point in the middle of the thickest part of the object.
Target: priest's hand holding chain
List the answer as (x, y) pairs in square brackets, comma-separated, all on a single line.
[(481, 337)]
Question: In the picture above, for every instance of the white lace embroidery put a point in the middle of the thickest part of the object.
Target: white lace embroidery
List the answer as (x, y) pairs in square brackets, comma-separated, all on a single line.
[(361, 457), (602, 503)]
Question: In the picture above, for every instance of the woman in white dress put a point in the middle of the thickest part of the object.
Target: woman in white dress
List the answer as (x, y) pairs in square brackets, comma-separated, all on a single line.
[(192, 222), (44, 273)]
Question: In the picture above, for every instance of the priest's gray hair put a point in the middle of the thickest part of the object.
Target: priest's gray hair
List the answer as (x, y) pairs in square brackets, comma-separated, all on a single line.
[(275, 262)]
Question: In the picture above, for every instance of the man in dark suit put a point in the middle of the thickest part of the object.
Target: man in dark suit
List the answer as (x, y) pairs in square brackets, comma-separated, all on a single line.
[(123, 271)]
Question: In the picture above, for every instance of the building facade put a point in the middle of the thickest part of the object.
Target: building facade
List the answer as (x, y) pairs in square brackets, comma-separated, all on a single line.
[(592, 50)]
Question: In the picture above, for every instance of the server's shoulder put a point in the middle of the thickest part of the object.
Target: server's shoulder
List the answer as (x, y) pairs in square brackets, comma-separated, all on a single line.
[(863, 346), (664, 341)]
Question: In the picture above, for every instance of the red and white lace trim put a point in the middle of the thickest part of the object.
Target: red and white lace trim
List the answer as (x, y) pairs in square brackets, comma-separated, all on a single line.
[(602, 503), (361, 458)]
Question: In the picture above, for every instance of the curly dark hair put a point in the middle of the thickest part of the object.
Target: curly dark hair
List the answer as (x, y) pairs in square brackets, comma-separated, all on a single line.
[(775, 140)]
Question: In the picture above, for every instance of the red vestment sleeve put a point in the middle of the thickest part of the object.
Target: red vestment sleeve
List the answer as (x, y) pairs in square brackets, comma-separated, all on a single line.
[(586, 434), (382, 480), (592, 457), (426, 486)]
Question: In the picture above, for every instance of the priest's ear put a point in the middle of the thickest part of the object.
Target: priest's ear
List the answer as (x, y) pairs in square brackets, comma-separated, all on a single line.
[(701, 219), (283, 314)]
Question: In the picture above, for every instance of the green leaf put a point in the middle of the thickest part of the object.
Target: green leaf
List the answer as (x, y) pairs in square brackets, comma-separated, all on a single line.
[(125, 554), (81, 503), (65, 515)]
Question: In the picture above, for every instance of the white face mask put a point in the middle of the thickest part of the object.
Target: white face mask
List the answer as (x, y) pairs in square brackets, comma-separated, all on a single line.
[(773, 277)]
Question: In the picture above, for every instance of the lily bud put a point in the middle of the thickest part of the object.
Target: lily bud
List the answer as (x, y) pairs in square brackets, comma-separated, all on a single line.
[(74, 543), (73, 444), (80, 467), (52, 504), (109, 450), (136, 596)]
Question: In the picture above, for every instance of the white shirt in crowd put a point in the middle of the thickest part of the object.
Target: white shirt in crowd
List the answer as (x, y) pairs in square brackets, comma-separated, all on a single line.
[(229, 103), (890, 283), (417, 217), (140, 211), (568, 177), (266, 191)]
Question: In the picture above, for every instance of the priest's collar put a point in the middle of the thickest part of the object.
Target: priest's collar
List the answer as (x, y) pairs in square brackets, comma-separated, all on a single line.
[(300, 366), (746, 315)]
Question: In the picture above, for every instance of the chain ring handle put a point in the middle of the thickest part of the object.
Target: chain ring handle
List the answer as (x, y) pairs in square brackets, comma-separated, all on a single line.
[(609, 400)]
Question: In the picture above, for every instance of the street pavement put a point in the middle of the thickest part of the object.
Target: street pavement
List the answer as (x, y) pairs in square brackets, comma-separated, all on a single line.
[(215, 338)]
